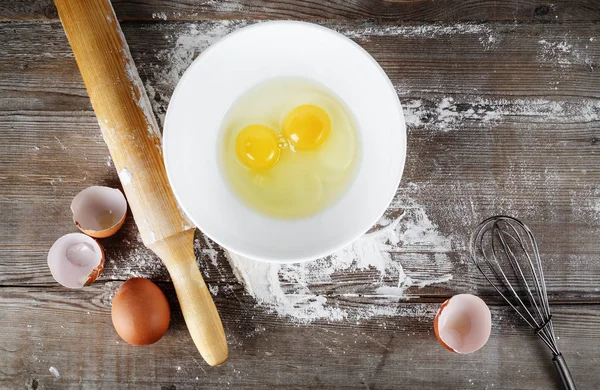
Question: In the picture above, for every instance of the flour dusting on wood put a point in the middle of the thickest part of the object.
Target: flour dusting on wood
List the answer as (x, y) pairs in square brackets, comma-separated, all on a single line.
[(296, 290), (159, 15), (451, 113), (54, 371), (187, 43), (188, 40), (407, 249), (220, 6), (440, 112), (564, 54), (136, 262), (487, 36)]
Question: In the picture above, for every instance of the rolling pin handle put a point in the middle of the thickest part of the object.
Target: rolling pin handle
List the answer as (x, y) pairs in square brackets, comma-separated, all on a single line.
[(197, 306)]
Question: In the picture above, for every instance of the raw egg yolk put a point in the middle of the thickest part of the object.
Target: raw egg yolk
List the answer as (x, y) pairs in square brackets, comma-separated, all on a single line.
[(257, 147), (306, 127)]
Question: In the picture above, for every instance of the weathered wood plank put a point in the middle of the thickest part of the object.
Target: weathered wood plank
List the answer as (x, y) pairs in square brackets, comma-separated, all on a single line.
[(72, 332), (532, 61), (503, 118), (416, 10), (509, 125), (571, 278)]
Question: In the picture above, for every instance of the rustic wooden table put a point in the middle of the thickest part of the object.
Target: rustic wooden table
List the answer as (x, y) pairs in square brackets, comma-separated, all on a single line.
[(503, 111)]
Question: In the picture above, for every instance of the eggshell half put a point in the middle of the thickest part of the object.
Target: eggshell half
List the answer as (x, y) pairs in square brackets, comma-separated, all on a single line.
[(75, 260), (463, 323), (99, 211)]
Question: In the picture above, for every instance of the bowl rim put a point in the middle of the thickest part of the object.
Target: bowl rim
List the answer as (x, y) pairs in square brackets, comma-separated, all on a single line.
[(362, 229)]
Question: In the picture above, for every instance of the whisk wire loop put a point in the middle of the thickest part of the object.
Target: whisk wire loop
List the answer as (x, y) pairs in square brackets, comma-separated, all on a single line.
[(506, 253), (514, 263)]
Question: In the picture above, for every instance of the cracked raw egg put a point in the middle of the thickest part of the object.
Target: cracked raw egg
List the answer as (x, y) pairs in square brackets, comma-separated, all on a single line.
[(289, 148), (463, 323), (257, 147), (306, 127)]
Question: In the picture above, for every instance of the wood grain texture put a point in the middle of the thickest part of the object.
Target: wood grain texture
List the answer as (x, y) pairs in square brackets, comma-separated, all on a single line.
[(197, 306), (131, 133), (534, 114), (414, 10), (123, 110), (503, 116), (70, 331)]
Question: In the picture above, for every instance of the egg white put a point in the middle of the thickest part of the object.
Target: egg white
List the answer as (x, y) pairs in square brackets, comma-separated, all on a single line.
[(302, 183)]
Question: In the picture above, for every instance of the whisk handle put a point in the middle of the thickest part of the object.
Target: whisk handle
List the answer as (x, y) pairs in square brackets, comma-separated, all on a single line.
[(563, 371)]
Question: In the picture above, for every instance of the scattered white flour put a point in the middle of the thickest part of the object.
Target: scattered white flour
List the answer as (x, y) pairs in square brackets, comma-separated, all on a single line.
[(188, 43), (137, 89), (586, 204), (54, 372), (139, 94), (219, 6), (420, 30), (188, 40), (136, 261), (125, 176), (444, 113), (108, 161), (159, 15), (406, 251), (207, 249), (489, 41), (487, 37), (450, 114), (562, 54), (300, 291)]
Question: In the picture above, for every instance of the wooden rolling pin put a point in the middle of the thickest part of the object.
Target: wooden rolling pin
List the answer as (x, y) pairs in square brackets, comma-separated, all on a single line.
[(133, 138)]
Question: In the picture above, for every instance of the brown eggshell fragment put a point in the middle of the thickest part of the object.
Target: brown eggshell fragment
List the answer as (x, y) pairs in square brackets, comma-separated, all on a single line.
[(75, 260), (99, 211), (140, 312), (463, 323)]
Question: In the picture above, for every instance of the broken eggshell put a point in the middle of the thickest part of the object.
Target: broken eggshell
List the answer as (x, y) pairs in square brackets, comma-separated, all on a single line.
[(99, 211), (463, 323), (75, 260)]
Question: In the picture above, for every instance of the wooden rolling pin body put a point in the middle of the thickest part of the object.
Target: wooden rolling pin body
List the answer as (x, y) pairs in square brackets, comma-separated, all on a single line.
[(133, 138)]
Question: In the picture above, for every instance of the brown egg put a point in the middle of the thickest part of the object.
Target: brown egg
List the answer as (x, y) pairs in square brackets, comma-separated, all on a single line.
[(140, 312)]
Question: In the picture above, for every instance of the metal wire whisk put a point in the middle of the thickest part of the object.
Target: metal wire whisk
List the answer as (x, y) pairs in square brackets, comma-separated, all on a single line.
[(506, 253)]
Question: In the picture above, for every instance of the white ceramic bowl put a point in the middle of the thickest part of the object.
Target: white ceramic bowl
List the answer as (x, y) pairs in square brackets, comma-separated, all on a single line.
[(243, 59)]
